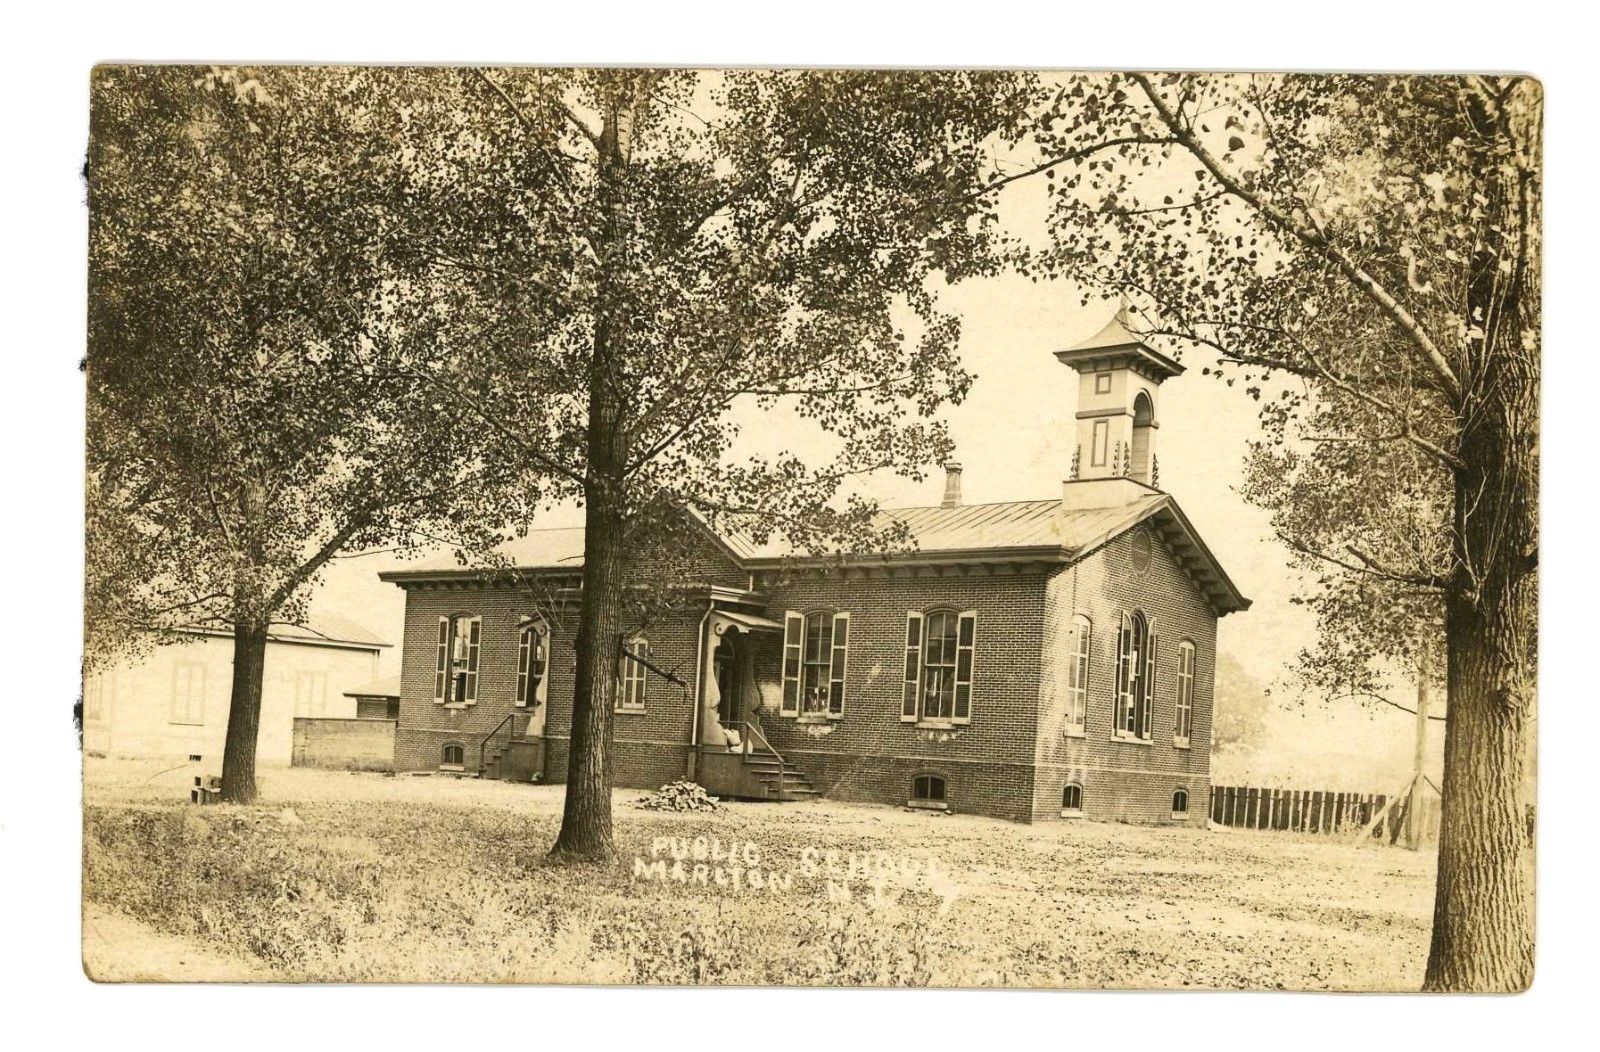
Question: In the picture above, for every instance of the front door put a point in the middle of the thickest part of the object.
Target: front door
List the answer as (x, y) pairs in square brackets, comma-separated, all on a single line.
[(727, 667)]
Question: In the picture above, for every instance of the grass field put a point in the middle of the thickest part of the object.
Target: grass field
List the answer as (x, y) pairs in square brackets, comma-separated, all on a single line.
[(435, 880)]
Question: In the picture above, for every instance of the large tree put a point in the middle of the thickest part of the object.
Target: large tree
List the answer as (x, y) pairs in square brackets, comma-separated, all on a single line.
[(238, 438), (1375, 241), (625, 261)]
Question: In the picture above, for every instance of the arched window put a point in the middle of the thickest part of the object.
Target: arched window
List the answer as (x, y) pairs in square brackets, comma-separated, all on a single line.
[(1183, 721), (1071, 798), (533, 660), (453, 755), (816, 649), (455, 680), (1078, 674), (1180, 802), (1144, 415), (939, 666), (928, 790), (1136, 673), (632, 675)]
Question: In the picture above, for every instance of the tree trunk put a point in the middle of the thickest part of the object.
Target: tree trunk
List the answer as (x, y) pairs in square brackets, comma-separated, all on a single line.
[(586, 814), (1483, 906), (244, 713)]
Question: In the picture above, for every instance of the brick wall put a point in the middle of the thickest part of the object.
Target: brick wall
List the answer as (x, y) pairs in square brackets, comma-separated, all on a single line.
[(1123, 780), (1011, 761), (651, 746), (869, 754)]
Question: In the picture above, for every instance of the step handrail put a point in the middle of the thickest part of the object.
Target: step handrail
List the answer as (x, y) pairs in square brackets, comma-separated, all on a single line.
[(483, 744), (752, 731)]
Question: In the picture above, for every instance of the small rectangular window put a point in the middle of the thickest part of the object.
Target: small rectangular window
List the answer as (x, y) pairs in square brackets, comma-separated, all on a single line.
[(632, 676), (189, 694), (1102, 383), (1097, 448)]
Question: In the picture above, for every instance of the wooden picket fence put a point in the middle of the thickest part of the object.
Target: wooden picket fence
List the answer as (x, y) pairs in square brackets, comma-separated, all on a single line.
[(1322, 811)]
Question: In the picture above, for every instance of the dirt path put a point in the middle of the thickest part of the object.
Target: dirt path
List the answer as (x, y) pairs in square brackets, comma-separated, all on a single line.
[(119, 949)]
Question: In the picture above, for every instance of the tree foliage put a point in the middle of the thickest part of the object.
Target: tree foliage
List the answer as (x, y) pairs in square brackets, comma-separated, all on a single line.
[(625, 264), (238, 437), (1362, 254)]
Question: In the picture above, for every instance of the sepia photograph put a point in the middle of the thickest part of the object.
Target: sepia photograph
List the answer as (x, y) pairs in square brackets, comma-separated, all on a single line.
[(802, 526)]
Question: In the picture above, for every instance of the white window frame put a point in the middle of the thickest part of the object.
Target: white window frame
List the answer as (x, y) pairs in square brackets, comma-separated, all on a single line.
[(816, 659), (1136, 675), (633, 677), (1183, 715), (191, 675), (1082, 641), (532, 629), (918, 689), (456, 663)]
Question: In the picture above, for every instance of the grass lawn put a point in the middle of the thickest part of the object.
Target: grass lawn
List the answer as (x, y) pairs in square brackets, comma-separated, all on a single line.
[(411, 879)]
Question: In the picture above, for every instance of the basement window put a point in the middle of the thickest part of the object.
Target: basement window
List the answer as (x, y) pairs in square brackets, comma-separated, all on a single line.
[(1072, 800), (453, 756), (1180, 803), (928, 791)]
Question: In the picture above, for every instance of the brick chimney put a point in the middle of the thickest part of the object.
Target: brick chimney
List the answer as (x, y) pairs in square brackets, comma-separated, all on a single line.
[(952, 485)]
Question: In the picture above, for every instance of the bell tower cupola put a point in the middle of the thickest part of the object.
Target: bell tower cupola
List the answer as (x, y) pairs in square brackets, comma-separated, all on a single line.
[(1118, 381)]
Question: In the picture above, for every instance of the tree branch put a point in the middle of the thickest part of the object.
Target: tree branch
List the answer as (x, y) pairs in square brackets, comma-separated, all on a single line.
[(1312, 238)]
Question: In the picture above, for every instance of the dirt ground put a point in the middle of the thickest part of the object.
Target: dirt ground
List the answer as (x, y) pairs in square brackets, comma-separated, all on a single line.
[(336, 876)]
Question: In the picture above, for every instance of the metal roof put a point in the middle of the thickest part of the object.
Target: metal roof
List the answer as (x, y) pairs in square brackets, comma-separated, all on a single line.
[(1114, 341), (535, 550), (333, 630), (387, 687), (967, 533)]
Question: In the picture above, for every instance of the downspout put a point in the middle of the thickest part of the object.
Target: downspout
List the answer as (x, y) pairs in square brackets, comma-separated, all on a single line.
[(699, 690)]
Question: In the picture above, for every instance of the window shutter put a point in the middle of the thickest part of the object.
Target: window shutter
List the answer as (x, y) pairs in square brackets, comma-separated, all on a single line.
[(913, 680), (474, 630), (441, 668), (967, 633), (524, 646), (1149, 684), (794, 630), (841, 654), (1124, 717)]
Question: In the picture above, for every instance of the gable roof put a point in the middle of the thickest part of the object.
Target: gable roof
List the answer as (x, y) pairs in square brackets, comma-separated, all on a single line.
[(1007, 531), (323, 629)]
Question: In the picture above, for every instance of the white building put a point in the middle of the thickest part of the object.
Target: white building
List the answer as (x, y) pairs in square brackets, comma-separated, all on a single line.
[(174, 701)]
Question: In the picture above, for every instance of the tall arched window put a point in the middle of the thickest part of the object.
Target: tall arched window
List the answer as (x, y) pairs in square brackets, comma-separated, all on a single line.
[(455, 680), (1078, 674), (632, 675), (1180, 802), (1183, 721), (939, 667), (533, 660), (816, 649), (1136, 673), (1144, 416)]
